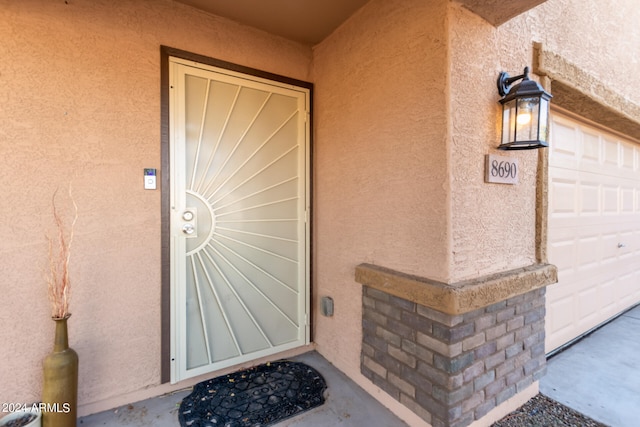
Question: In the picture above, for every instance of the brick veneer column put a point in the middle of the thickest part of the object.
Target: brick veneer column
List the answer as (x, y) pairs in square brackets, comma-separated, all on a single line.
[(452, 369)]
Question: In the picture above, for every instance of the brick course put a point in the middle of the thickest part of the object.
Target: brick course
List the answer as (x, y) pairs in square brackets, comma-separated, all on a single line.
[(452, 369)]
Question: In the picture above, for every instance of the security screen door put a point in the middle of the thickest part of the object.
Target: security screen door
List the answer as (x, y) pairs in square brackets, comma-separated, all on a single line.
[(239, 234)]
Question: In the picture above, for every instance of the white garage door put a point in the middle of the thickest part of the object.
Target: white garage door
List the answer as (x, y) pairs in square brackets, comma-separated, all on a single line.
[(594, 228)]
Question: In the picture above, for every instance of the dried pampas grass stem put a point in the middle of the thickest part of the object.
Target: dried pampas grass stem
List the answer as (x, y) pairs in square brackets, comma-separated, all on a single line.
[(58, 280)]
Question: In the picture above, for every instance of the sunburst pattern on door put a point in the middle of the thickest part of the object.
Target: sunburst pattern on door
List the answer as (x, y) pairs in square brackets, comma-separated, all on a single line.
[(242, 219)]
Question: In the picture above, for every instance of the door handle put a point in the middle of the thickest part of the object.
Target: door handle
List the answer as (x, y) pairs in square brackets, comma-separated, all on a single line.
[(188, 229)]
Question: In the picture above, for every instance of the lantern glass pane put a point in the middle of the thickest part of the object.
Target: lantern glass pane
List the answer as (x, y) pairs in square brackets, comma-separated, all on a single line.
[(508, 121), (544, 120), (526, 128)]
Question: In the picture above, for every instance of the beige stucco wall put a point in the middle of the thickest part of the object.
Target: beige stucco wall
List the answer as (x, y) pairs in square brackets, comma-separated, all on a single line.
[(80, 91), (494, 225), (381, 175), (379, 158), (601, 37)]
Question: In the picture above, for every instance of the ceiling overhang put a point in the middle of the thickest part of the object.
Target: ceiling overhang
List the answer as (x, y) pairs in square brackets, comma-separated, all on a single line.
[(497, 12), (311, 21), (305, 21)]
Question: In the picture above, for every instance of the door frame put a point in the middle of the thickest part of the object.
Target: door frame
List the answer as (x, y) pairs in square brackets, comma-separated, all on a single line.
[(165, 184)]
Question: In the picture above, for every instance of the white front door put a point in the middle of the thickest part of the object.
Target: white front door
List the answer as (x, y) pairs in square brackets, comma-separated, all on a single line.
[(239, 160)]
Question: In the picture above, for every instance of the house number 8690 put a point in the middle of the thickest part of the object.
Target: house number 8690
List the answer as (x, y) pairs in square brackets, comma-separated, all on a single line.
[(504, 169), (501, 169)]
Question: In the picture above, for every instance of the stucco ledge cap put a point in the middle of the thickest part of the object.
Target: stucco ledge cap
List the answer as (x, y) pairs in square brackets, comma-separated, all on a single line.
[(461, 297)]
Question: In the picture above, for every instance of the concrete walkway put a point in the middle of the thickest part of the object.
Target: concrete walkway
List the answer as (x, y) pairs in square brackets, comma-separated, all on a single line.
[(600, 375), (346, 405)]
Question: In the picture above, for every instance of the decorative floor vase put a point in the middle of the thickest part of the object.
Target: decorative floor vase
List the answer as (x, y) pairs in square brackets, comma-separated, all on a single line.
[(60, 388), (26, 418)]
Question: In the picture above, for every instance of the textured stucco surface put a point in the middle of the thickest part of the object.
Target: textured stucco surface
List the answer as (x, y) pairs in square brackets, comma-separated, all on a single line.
[(379, 157), (493, 226), (80, 91), (600, 38), (580, 93)]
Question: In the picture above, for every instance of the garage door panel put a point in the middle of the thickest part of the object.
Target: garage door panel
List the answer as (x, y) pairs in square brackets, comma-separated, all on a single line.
[(578, 223), (588, 306), (594, 208), (590, 322), (627, 196), (563, 318), (559, 292), (610, 200), (627, 240), (565, 190), (572, 284), (627, 286), (563, 254), (589, 198), (607, 298), (561, 311), (635, 285), (611, 152), (628, 289), (591, 148), (589, 254), (627, 262), (566, 146), (628, 157), (610, 241)]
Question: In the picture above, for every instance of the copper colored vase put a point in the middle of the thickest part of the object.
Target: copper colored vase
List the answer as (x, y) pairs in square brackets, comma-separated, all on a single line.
[(60, 388)]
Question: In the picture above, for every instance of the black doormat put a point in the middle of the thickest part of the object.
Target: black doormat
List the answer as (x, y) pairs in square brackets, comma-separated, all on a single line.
[(256, 397)]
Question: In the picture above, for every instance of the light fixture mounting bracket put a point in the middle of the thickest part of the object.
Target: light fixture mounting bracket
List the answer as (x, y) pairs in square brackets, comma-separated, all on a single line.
[(505, 82)]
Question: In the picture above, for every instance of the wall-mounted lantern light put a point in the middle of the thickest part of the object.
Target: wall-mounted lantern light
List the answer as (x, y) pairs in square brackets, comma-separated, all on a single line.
[(525, 113)]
